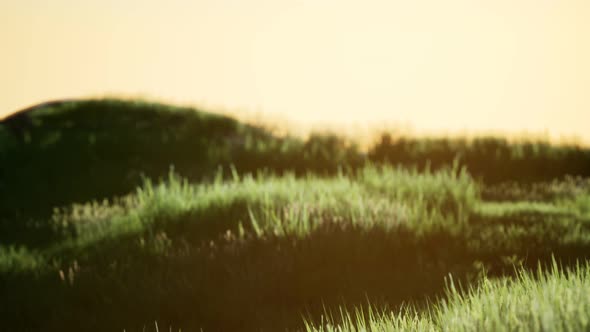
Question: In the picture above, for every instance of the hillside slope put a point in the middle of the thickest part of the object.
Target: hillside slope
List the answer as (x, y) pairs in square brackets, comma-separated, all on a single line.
[(75, 151), (69, 151)]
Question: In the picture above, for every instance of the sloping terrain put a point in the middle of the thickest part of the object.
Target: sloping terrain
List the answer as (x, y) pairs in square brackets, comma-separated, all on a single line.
[(250, 231)]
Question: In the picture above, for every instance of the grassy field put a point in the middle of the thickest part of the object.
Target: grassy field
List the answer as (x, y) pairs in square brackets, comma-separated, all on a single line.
[(120, 215)]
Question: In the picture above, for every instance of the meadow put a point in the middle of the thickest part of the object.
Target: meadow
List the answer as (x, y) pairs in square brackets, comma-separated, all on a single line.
[(130, 215)]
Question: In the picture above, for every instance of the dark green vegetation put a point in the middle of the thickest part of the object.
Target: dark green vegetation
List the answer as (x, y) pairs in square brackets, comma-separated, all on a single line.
[(251, 231)]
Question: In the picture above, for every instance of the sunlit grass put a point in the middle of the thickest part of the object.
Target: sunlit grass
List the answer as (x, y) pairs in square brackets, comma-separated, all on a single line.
[(19, 260), (269, 204), (309, 239), (554, 300)]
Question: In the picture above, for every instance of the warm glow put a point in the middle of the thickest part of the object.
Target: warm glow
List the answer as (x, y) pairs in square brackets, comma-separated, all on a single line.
[(440, 66)]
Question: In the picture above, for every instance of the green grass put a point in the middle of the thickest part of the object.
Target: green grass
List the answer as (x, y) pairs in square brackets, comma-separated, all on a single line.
[(19, 260), (260, 251), (493, 159), (286, 205), (554, 300), (96, 149), (249, 231)]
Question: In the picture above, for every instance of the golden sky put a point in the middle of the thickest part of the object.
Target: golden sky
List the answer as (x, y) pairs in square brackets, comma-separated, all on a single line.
[(437, 66)]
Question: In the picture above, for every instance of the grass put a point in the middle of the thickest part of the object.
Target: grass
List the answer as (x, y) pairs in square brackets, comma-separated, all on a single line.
[(554, 300), (98, 149), (276, 204), (493, 159), (19, 260), (249, 231), (261, 251)]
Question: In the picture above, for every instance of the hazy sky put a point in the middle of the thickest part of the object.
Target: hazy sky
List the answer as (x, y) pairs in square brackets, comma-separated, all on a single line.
[(453, 65)]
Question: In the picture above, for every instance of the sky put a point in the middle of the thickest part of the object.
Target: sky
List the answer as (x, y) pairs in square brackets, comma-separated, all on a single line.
[(454, 66)]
